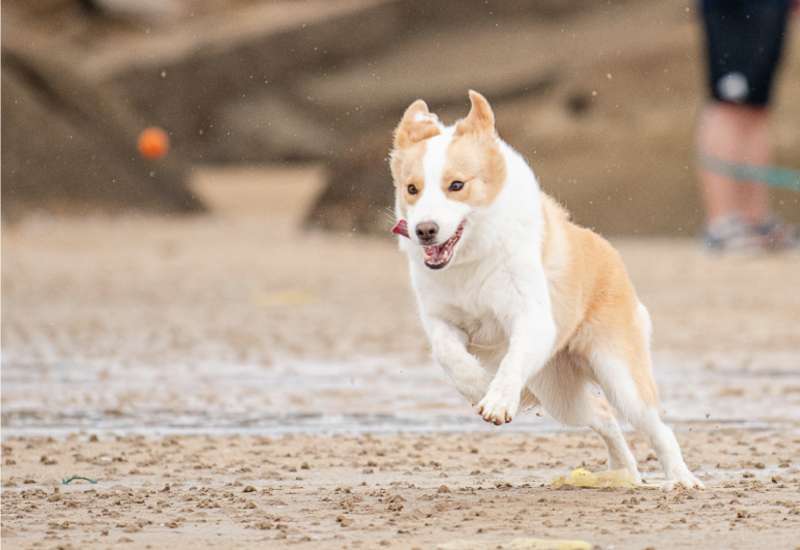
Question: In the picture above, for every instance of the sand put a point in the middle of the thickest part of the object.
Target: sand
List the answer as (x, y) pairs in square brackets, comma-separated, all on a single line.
[(403, 491), (230, 381)]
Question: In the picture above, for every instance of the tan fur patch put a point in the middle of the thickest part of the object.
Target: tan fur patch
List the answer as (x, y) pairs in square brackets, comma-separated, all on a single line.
[(594, 303), (480, 119), (475, 160), (407, 169), (474, 157), (417, 124)]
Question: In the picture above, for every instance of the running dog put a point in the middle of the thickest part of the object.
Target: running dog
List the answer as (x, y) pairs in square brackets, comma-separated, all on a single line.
[(521, 306)]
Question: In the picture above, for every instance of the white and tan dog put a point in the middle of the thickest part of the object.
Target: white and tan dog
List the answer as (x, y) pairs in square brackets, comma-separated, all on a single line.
[(521, 306)]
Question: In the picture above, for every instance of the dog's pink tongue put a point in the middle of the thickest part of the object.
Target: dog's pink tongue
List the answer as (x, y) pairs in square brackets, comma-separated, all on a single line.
[(401, 228), (435, 253)]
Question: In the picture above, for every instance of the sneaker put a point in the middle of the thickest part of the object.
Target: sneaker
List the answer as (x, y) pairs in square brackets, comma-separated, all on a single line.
[(776, 235), (731, 234)]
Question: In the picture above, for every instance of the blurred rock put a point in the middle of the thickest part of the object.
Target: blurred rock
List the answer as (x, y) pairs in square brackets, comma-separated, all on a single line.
[(201, 78), (69, 147), (359, 195), (271, 125), (387, 81), (145, 11)]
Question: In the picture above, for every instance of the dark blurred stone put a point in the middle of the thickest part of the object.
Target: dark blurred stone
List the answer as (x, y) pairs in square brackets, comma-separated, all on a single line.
[(227, 64), (272, 124), (578, 103), (359, 194), (68, 146)]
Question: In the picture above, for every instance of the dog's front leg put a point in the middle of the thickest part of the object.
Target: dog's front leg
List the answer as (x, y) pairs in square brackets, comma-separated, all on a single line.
[(449, 345), (532, 337)]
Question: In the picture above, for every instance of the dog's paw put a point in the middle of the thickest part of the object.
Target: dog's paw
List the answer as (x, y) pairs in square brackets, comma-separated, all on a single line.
[(682, 478), (500, 404)]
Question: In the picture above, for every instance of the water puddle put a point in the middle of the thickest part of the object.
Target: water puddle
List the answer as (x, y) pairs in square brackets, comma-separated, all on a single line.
[(378, 395)]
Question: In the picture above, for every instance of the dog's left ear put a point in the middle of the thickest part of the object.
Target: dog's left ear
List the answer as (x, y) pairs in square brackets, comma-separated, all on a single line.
[(418, 123), (480, 119)]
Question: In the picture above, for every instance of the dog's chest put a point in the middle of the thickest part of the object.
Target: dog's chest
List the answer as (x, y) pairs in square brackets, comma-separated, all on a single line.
[(468, 301)]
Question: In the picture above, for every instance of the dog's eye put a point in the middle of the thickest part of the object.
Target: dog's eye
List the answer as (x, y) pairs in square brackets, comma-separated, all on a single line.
[(412, 189), (456, 186)]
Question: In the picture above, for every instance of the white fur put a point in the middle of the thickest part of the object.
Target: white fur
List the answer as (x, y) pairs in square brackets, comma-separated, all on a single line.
[(433, 205), (493, 289)]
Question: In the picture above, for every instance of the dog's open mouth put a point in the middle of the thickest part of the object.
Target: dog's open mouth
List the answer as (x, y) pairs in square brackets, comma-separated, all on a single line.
[(439, 255)]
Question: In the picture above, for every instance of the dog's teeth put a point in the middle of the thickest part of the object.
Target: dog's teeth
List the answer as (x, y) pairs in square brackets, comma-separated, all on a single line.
[(441, 254)]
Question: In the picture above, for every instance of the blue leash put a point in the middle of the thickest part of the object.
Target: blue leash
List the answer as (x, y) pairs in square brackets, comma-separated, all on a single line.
[(771, 175)]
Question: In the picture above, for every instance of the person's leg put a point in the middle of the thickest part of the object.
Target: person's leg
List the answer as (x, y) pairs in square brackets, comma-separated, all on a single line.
[(736, 134), (744, 39), (764, 33), (753, 197)]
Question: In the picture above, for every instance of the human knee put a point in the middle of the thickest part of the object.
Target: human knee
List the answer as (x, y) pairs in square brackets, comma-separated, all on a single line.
[(742, 116)]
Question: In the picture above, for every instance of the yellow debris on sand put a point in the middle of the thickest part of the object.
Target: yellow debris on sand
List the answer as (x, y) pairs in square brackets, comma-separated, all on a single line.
[(581, 477)]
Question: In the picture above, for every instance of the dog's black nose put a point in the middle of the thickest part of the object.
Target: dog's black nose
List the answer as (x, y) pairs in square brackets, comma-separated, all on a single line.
[(426, 232)]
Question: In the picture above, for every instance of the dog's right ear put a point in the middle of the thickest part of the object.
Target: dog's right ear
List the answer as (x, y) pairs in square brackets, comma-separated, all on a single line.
[(418, 123), (480, 119)]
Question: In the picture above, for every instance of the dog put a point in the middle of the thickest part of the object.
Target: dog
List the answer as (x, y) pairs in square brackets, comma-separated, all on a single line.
[(522, 307)]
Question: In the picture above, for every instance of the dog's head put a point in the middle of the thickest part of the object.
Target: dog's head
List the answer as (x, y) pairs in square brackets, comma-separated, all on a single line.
[(444, 175)]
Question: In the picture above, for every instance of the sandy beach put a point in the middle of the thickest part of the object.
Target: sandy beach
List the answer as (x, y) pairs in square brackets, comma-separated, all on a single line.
[(232, 381)]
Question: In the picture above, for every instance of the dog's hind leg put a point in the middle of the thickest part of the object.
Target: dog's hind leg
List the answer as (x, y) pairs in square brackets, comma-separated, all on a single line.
[(605, 423), (565, 391), (619, 358)]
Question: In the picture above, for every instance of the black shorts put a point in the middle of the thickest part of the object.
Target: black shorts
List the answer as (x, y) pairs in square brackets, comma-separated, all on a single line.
[(744, 40)]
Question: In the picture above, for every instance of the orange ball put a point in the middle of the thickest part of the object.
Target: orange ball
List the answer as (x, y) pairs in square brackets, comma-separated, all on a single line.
[(153, 143)]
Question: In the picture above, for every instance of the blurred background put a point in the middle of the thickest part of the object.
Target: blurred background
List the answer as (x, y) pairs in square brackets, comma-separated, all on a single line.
[(601, 97), (212, 280)]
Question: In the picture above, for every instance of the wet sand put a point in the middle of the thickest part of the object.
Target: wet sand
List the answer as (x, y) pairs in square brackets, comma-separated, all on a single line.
[(401, 491), (232, 382)]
